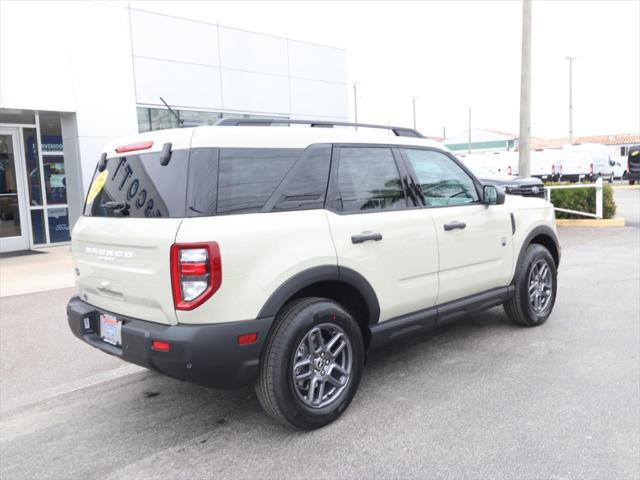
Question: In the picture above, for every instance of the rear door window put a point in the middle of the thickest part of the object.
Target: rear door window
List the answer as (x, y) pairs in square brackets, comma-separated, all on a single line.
[(248, 176), (138, 186), (368, 179)]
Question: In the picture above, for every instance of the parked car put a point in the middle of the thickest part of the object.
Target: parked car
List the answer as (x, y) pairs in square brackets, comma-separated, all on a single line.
[(526, 187), (633, 164), (242, 254)]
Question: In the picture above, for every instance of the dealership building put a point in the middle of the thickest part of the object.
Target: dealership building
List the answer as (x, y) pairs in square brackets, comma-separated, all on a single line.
[(74, 76)]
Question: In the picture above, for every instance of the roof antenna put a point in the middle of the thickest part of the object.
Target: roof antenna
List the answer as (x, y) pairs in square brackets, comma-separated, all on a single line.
[(173, 112)]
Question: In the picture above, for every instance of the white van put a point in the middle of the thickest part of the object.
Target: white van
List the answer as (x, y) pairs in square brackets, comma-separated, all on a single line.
[(586, 161), (502, 163), (575, 164), (545, 164)]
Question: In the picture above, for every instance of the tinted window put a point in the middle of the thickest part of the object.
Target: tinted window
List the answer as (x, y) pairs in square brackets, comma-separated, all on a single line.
[(442, 181), (203, 182), (368, 179), (306, 185), (248, 176), (141, 185)]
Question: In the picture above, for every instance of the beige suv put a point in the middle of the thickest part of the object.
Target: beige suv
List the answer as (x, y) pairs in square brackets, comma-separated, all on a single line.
[(245, 253)]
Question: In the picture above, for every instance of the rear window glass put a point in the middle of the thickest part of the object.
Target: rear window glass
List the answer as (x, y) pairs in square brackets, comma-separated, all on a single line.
[(212, 181), (138, 186), (248, 176)]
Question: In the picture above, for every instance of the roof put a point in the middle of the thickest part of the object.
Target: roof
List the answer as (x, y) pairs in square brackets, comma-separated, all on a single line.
[(263, 137), (613, 139)]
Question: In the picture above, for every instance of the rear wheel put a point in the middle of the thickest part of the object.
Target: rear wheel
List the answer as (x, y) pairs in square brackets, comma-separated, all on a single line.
[(535, 286), (311, 366), (632, 182), (611, 178)]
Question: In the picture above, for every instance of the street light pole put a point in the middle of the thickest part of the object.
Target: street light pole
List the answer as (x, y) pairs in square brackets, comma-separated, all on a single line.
[(355, 101), (413, 100), (571, 59), (469, 145), (524, 157)]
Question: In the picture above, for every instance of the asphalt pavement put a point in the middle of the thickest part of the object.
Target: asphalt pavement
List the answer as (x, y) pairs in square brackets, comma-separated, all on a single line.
[(478, 399)]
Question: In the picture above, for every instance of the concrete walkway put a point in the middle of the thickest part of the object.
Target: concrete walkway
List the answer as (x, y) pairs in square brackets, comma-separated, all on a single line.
[(36, 272)]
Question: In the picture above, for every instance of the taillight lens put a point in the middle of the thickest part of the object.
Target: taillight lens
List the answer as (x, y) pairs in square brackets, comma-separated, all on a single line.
[(509, 170), (553, 169), (591, 168), (196, 273)]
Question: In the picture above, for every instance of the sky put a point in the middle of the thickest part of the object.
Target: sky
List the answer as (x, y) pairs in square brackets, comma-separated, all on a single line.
[(456, 55)]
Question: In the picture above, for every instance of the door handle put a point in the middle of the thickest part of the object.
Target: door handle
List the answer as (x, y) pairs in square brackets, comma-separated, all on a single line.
[(364, 237), (454, 225)]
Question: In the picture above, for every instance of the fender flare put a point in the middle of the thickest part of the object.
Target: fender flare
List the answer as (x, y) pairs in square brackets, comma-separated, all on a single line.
[(535, 232), (318, 274)]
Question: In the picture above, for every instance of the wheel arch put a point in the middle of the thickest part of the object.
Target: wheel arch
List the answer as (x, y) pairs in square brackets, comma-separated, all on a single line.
[(340, 284), (545, 236)]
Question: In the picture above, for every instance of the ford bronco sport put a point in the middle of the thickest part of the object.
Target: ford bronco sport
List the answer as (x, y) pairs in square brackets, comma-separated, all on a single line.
[(247, 253)]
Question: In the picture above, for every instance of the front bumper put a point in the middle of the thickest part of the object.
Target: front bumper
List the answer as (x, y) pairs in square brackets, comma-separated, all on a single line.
[(208, 355)]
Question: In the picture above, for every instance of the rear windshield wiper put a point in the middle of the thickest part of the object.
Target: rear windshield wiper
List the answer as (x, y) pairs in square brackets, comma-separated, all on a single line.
[(117, 207)]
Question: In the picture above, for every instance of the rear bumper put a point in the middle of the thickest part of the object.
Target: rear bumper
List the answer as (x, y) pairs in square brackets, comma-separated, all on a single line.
[(208, 355)]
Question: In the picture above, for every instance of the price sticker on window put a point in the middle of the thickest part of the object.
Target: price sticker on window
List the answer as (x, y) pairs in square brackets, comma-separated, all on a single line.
[(97, 185)]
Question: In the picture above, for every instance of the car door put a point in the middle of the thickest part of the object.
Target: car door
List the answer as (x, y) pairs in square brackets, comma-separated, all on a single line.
[(379, 232), (474, 240)]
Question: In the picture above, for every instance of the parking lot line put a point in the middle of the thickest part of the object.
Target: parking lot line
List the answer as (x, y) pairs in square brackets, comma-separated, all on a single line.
[(53, 392)]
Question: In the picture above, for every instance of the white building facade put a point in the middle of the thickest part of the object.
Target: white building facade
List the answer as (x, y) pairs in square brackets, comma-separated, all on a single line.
[(74, 76)]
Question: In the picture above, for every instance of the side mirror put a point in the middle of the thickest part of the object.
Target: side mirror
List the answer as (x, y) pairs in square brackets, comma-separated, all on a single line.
[(492, 195)]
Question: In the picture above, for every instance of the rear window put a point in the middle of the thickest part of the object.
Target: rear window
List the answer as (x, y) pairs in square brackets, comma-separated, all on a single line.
[(212, 181), (138, 186)]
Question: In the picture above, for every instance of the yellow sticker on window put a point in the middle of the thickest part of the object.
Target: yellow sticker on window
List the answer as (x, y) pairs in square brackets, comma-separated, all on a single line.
[(97, 185)]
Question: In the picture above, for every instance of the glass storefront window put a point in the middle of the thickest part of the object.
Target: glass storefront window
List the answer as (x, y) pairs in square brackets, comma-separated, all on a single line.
[(196, 119), (33, 167), (9, 211), (144, 120), (10, 115), (50, 132), (54, 179), (162, 119), (58, 225), (37, 225)]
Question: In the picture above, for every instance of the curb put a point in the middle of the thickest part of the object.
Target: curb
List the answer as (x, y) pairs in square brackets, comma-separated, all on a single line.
[(590, 222), (625, 187)]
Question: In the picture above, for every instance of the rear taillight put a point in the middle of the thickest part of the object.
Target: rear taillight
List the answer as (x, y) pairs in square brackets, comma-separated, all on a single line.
[(509, 170), (196, 273), (591, 168), (553, 169)]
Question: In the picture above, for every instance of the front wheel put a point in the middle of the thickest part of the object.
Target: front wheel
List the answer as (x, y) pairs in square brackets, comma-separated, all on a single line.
[(535, 283), (311, 366)]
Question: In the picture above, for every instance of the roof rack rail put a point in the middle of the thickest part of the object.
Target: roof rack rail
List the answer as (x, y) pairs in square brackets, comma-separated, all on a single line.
[(253, 122)]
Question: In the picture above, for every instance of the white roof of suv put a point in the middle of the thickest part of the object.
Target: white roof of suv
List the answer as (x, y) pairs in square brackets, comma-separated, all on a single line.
[(265, 136)]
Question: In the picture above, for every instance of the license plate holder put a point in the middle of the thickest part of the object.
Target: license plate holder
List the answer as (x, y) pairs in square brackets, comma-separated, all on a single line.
[(111, 330)]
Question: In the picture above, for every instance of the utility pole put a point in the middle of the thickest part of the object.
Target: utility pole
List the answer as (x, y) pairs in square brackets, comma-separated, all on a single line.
[(571, 59), (524, 140), (469, 146), (355, 102), (413, 100)]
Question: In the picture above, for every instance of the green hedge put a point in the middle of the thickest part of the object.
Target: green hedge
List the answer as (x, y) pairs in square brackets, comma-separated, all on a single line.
[(584, 200)]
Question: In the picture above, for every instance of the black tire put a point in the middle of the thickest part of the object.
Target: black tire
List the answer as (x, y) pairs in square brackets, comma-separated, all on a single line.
[(519, 308), (276, 388), (611, 178), (632, 182)]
